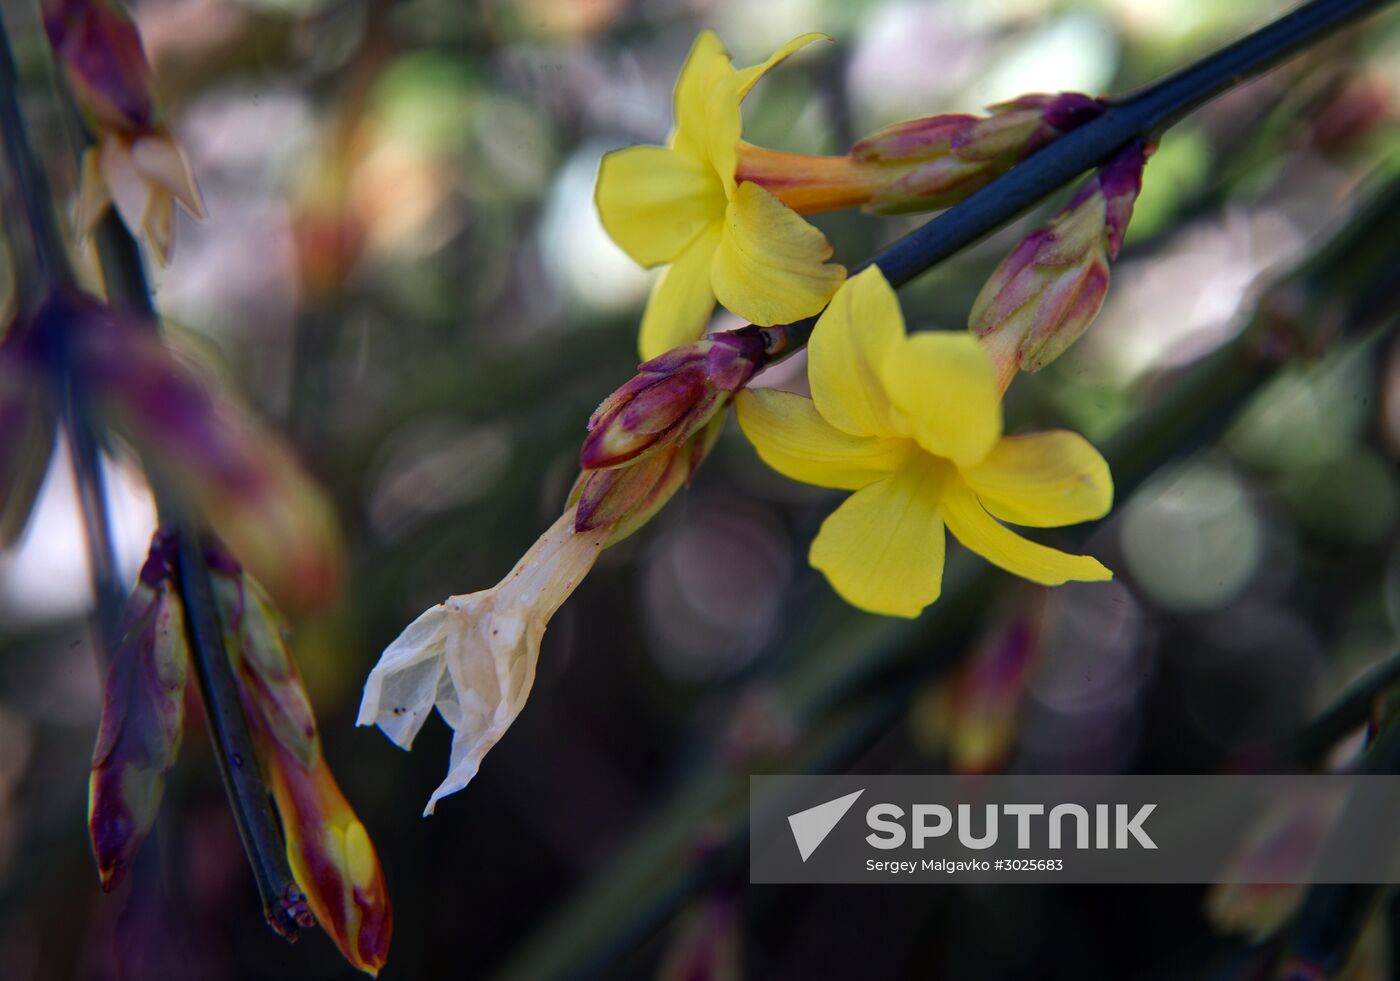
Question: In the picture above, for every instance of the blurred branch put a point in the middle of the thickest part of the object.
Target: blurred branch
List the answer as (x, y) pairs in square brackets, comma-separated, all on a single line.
[(1334, 915), (257, 825), (885, 662), (1347, 714), (284, 905), (54, 273)]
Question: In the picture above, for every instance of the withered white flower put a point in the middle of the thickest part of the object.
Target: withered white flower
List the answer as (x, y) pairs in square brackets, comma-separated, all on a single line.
[(474, 656)]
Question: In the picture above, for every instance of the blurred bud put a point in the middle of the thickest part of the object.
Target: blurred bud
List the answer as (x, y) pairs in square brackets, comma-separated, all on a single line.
[(705, 944), (1045, 294), (1284, 842), (1351, 111), (329, 851), (135, 163), (988, 694), (28, 419), (672, 397), (974, 717), (474, 656), (100, 50), (939, 160), (142, 716), (244, 479)]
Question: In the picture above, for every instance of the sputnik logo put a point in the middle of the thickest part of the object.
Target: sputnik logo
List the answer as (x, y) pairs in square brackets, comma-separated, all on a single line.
[(810, 827)]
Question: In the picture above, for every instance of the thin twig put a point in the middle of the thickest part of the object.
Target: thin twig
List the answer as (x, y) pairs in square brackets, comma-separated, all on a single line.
[(54, 273), (283, 903)]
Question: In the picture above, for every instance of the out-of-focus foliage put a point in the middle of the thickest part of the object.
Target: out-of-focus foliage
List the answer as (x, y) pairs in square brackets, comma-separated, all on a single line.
[(402, 266)]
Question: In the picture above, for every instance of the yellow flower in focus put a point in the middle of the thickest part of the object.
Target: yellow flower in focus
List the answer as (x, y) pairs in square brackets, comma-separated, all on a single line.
[(913, 426), (681, 206)]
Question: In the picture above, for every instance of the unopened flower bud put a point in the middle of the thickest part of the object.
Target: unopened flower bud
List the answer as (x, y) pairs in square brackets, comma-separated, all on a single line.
[(1045, 294), (245, 480), (100, 50), (939, 160), (671, 399), (143, 714), (622, 499), (328, 849), (135, 164)]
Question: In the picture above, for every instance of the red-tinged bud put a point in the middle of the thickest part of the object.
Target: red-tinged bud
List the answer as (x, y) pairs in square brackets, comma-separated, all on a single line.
[(938, 161), (100, 50), (625, 498), (328, 849), (918, 165), (28, 419), (142, 717), (1045, 294), (987, 696), (672, 398), (244, 479)]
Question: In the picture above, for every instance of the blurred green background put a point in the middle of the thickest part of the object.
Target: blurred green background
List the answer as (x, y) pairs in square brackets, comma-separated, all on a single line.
[(403, 269)]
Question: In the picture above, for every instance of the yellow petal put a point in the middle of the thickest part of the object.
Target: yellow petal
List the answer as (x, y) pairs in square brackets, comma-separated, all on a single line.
[(882, 549), (944, 386), (682, 300), (769, 268), (1001, 546), (708, 123), (1043, 480), (792, 438), (848, 350), (654, 202), (746, 77)]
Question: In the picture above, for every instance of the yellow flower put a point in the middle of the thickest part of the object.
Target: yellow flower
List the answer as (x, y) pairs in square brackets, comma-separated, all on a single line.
[(681, 206), (913, 426)]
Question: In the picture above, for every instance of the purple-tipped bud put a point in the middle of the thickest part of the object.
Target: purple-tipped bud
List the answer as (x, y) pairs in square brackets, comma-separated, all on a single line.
[(671, 399), (244, 479), (940, 160), (100, 50), (143, 714), (1045, 294), (625, 498)]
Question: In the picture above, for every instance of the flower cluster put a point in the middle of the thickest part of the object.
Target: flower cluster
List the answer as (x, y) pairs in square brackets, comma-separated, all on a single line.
[(328, 849), (135, 163), (911, 424)]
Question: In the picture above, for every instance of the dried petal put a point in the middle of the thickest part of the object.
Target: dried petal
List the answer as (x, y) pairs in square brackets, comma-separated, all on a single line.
[(474, 656)]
